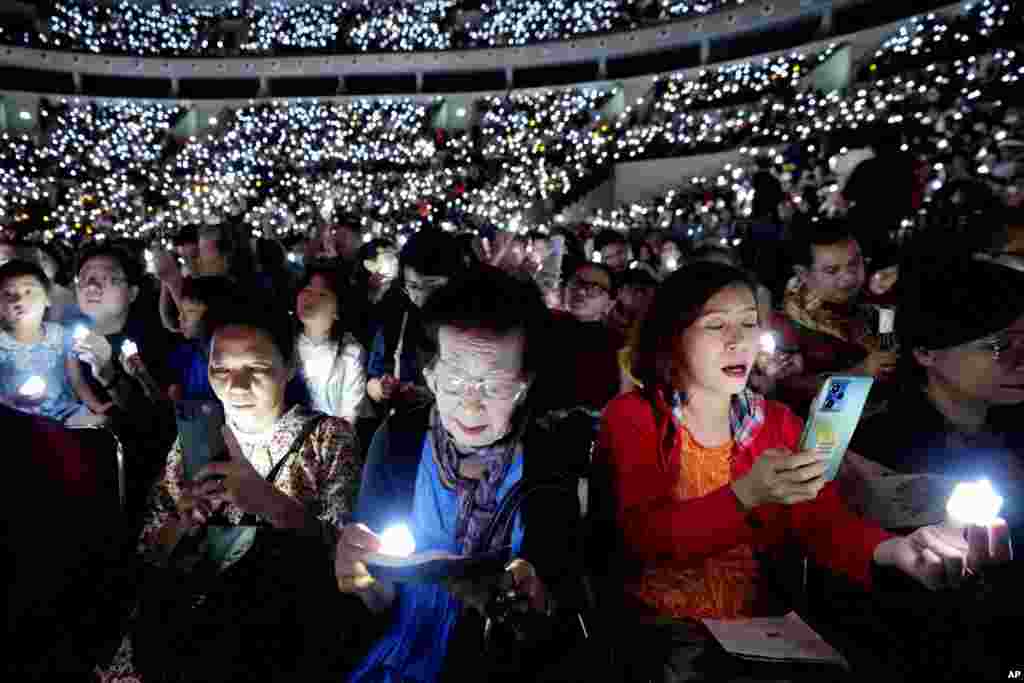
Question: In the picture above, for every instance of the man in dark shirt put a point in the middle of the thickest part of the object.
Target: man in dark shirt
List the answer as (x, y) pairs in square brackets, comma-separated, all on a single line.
[(585, 370)]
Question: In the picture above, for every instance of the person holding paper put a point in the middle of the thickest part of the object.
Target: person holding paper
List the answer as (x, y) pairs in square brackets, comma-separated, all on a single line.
[(470, 450), (962, 332), (702, 470)]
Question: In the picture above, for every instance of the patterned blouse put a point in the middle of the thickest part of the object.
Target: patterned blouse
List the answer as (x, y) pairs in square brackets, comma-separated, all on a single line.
[(324, 475), (724, 586)]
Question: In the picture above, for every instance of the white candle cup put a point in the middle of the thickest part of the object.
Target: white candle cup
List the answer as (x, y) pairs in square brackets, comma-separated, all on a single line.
[(129, 348), (34, 387), (973, 510), (397, 541)]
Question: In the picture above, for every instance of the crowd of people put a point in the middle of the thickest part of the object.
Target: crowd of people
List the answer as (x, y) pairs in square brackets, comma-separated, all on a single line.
[(230, 27), (325, 337)]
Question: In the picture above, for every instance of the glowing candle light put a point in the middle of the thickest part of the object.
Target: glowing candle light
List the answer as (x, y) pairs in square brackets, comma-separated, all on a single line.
[(81, 332), (397, 541), (768, 343), (974, 503), (129, 348), (34, 386), (975, 506)]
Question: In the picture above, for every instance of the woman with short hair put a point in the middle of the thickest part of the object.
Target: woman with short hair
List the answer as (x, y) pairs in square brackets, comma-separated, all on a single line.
[(288, 467)]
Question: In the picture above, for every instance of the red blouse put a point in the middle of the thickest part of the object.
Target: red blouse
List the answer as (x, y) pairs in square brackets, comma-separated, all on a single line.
[(661, 529)]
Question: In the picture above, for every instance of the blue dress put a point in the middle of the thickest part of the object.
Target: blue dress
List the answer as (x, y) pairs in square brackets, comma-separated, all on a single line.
[(45, 359), (424, 616)]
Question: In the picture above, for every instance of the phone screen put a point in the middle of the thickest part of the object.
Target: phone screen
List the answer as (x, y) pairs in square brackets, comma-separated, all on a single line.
[(199, 431)]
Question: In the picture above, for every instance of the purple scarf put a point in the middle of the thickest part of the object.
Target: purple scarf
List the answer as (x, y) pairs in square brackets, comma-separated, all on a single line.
[(477, 499)]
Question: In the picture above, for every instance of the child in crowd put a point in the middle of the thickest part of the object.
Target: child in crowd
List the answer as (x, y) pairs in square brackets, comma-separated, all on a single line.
[(331, 363), (38, 372), (188, 362)]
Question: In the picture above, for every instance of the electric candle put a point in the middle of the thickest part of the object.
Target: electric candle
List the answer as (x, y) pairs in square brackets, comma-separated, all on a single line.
[(975, 507), (397, 541), (33, 387), (129, 348)]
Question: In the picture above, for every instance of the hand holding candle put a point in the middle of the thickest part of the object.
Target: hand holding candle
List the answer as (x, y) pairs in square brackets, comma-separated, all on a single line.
[(974, 508), (397, 541), (33, 388)]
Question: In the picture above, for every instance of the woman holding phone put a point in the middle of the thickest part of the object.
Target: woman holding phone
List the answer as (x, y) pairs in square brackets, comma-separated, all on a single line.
[(286, 467), (702, 471)]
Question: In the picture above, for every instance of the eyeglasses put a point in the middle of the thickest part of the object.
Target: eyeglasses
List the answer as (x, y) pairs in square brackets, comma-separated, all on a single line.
[(414, 288), (1005, 346), (450, 383), (102, 282), (589, 289)]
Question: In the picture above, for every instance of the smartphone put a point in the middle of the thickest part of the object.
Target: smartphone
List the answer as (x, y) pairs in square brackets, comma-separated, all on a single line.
[(199, 430), (834, 417)]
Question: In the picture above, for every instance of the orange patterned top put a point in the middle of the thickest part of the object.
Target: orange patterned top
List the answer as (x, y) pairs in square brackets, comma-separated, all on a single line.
[(720, 587)]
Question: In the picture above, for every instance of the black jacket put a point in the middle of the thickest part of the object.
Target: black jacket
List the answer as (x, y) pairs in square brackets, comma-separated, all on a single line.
[(911, 437)]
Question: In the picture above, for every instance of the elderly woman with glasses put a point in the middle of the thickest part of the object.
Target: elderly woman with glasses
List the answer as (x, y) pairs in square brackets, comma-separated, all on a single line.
[(447, 471)]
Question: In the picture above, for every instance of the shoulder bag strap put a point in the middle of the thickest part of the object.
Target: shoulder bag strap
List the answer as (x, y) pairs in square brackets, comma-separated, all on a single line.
[(309, 428)]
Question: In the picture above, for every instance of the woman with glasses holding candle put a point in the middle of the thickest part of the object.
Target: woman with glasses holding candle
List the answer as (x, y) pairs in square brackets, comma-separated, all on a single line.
[(704, 471), (961, 326), (446, 473), (109, 284), (428, 261)]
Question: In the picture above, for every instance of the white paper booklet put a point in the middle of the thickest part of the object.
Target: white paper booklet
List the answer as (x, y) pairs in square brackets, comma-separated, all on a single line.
[(775, 639)]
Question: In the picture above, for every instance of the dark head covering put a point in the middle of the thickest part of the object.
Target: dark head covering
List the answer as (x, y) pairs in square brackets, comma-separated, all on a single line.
[(959, 301)]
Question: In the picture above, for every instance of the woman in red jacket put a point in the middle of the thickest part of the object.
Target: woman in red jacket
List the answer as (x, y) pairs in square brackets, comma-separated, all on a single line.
[(703, 470)]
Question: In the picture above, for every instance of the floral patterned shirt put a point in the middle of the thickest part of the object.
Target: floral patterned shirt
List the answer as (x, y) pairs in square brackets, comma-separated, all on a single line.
[(323, 475)]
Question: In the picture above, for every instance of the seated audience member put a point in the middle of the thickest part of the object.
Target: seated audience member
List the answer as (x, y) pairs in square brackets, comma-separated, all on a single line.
[(961, 329), (428, 261), (702, 471), (186, 247), (108, 285), (8, 251), (636, 291), (171, 275), (728, 257), (340, 242), (189, 361), (289, 467), (63, 304), (38, 372), (330, 361), (671, 258), (447, 473), (274, 273), (837, 331), (614, 249), (376, 271), (589, 376)]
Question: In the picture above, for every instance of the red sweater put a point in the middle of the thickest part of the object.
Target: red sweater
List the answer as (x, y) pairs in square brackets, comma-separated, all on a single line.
[(656, 526)]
